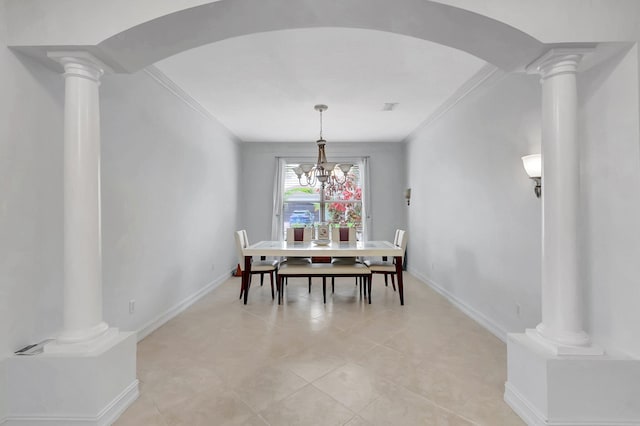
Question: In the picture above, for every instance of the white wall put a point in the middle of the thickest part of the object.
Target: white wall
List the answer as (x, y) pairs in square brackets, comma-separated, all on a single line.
[(387, 180), (546, 20), (610, 183), (169, 199), (30, 203), (30, 200), (4, 395), (80, 22), (88, 20), (475, 224), (169, 196), (474, 220)]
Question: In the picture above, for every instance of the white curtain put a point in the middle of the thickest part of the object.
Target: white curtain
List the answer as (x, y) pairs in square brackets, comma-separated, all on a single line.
[(366, 198), (278, 185)]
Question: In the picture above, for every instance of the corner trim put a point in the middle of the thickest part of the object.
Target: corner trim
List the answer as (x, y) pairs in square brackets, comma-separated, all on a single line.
[(114, 410), (533, 417), (522, 407), (471, 312), (172, 312)]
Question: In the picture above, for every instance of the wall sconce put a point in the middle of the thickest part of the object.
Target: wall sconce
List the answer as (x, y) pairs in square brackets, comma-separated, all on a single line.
[(407, 195), (533, 166)]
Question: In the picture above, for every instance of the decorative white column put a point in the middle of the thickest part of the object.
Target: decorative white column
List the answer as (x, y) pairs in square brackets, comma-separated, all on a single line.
[(83, 324), (88, 374), (545, 386), (562, 300)]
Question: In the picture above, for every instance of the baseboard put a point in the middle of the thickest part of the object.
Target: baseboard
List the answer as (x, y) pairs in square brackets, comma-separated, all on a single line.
[(522, 407), (114, 410), (533, 417), (471, 312), (105, 418), (169, 314)]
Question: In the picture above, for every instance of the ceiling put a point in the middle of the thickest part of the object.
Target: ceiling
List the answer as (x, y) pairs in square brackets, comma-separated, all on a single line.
[(263, 87)]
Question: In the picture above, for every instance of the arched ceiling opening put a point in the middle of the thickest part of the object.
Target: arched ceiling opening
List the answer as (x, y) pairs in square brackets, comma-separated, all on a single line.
[(374, 51), (483, 37), (257, 58)]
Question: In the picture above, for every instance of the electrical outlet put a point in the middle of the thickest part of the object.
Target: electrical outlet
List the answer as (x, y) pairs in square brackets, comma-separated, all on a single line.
[(518, 309), (132, 306), (213, 267)]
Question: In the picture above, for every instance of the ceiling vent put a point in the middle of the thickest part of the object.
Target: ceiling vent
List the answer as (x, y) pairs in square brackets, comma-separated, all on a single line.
[(389, 106)]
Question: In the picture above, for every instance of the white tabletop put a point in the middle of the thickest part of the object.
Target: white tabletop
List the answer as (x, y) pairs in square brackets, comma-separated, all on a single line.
[(282, 248)]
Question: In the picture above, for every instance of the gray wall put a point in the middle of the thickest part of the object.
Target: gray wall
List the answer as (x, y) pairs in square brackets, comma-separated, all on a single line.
[(475, 222), (169, 198), (388, 208)]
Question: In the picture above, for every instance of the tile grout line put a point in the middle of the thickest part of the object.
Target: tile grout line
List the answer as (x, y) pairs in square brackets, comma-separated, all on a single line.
[(269, 321)]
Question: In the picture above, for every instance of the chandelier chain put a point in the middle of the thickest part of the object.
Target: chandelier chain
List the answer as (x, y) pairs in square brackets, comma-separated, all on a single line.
[(331, 176)]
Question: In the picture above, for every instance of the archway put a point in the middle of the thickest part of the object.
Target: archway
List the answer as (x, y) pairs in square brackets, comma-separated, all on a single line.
[(147, 42)]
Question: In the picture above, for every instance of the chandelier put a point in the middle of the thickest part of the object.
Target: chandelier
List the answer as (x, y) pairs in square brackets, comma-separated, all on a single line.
[(332, 176)]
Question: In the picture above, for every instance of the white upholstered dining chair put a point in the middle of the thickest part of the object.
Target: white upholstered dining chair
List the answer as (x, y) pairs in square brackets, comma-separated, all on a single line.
[(388, 266), (344, 234), (257, 267), (299, 235)]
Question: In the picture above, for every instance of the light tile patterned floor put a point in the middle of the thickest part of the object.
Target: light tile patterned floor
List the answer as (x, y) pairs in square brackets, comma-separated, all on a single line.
[(305, 363)]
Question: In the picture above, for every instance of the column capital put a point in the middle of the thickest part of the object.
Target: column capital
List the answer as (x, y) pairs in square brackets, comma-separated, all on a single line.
[(80, 64), (558, 60)]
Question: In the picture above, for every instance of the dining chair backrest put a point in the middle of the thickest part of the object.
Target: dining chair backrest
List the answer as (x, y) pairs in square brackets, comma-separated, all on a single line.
[(241, 244), (344, 234), (402, 240), (298, 234), (396, 238)]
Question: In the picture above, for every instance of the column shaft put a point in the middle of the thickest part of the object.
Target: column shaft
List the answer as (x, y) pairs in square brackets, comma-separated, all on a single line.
[(82, 224), (562, 314)]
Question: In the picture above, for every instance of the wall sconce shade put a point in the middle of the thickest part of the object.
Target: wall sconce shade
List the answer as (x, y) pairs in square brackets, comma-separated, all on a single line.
[(407, 195), (533, 166)]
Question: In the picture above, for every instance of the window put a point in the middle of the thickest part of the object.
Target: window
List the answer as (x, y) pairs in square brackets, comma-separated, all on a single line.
[(302, 204)]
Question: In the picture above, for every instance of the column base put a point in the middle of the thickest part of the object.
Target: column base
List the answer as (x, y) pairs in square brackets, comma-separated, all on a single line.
[(85, 347), (558, 348), (544, 388), (87, 389), (78, 336)]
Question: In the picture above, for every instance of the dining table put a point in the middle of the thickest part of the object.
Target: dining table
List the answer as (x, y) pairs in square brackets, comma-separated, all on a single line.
[(359, 249)]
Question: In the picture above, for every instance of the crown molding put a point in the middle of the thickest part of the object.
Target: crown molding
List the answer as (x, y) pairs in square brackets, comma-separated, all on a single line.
[(189, 100), (487, 74)]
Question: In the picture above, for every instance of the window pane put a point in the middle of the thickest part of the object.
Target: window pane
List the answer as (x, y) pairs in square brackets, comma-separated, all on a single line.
[(301, 203), (347, 213), (343, 203), (351, 189)]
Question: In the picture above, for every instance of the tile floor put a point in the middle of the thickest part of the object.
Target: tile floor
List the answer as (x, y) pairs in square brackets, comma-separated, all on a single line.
[(305, 363)]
